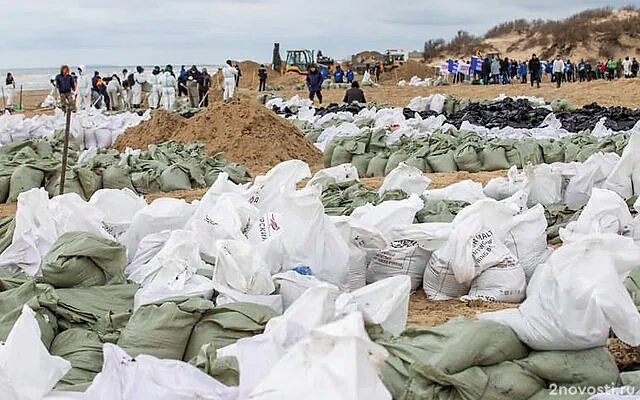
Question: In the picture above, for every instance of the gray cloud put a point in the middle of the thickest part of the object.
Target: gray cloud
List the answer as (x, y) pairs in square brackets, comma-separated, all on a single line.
[(47, 33)]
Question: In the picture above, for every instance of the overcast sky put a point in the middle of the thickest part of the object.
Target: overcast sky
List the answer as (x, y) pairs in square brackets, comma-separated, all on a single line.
[(44, 33)]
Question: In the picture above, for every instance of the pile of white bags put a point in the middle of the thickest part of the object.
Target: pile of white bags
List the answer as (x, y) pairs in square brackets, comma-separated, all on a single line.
[(90, 128)]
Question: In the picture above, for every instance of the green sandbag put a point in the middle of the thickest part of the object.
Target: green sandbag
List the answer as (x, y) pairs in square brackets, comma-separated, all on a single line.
[(224, 369), (395, 194), (12, 280), (36, 297), (146, 182), (225, 325), (81, 181), (328, 152), (377, 142), (418, 162), (361, 162), (467, 158), (84, 259), (4, 188), (116, 178), (164, 330), (394, 160), (110, 326), (439, 211), (24, 178), (7, 227), (238, 173), (571, 152), (340, 156), (552, 150), (85, 305), (524, 152), (494, 158), (592, 367), (83, 349), (586, 152), (174, 178), (377, 165), (444, 162)]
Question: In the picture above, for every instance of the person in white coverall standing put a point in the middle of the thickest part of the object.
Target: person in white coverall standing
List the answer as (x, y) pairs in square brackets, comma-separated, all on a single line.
[(83, 90), (156, 88), (229, 74), (136, 91), (169, 86)]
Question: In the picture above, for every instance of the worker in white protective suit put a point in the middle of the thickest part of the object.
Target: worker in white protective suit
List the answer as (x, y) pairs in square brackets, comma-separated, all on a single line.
[(169, 86), (83, 90), (115, 92), (9, 87), (136, 91), (229, 74), (156, 88)]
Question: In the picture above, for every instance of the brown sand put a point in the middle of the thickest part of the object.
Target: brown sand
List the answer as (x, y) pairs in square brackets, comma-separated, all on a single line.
[(407, 71), (425, 312), (247, 132)]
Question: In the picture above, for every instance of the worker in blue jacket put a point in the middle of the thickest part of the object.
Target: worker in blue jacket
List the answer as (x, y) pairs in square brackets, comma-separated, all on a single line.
[(350, 76), (324, 71), (338, 75), (314, 83)]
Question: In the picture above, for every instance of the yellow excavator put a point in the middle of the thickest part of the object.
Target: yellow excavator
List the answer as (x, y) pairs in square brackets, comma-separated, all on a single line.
[(299, 61)]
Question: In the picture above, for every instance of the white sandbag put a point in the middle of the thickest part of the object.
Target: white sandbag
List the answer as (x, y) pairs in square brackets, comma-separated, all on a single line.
[(406, 178), (306, 237), (437, 103), (118, 207), (172, 272), (292, 286), (282, 178), (258, 354), (502, 188), (409, 252), (527, 239), (338, 174), (226, 295), (419, 103), (621, 179), (400, 258), (439, 282), (505, 282), (606, 212), (388, 214), (591, 174), (385, 303), (336, 361), (240, 268), (27, 370), (148, 247), (545, 185), (161, 214), (467, 190), (477, 239), (39, 223), (224, 217), (147, 377), (577, 296)]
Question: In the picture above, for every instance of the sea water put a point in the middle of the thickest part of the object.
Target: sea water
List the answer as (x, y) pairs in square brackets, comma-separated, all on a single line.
[(39, 78)]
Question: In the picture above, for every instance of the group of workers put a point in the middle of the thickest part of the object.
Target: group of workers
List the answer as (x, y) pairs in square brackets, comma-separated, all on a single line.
[(78, 91), (315, 78), (505, 71)]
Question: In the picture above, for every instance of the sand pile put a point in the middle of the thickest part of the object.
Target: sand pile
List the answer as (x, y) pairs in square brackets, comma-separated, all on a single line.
[(158, 129), (407, 71), (247, 132)]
